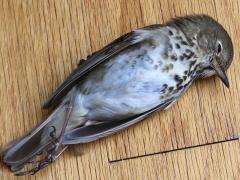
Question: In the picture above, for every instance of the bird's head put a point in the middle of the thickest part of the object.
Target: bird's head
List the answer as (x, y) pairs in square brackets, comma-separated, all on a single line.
[(213, 40)]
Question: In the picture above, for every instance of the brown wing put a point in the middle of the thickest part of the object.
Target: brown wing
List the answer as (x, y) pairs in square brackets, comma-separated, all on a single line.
[(98, 57)]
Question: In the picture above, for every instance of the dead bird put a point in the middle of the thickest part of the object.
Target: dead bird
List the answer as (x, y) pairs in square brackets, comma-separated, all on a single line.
[(125, 82)]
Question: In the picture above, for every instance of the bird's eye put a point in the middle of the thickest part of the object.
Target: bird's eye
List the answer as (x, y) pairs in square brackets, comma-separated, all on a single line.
[(219, 48)]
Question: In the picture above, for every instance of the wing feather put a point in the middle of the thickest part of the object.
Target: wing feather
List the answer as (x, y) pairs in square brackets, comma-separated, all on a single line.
[(98, 57), (93, 132)]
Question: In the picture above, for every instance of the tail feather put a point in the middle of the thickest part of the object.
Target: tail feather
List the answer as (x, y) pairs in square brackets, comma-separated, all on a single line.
[(39, 140)]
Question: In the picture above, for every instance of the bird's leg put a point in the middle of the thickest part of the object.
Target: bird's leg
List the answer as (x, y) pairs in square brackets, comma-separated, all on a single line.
[(67, 119), (52, 155), (55, 148), (68, 114)]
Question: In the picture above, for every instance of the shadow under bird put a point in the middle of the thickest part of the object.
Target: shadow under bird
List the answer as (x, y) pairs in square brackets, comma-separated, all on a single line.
[(139, 73)]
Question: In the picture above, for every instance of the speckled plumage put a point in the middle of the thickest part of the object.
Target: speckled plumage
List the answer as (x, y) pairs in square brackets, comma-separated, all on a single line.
[(123, 83), (151, 75)]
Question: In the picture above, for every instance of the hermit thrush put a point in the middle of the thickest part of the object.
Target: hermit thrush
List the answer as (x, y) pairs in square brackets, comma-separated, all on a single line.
[(123, 83)]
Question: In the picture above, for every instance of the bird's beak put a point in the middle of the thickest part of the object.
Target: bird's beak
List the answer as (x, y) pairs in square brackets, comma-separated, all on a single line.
[(220, 71)]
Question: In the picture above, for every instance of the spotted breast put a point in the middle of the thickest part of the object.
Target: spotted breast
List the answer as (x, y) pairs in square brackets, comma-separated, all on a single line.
[(155, 70)]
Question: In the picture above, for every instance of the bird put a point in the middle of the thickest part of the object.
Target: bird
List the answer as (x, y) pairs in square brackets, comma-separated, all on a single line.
[(139, 73)]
